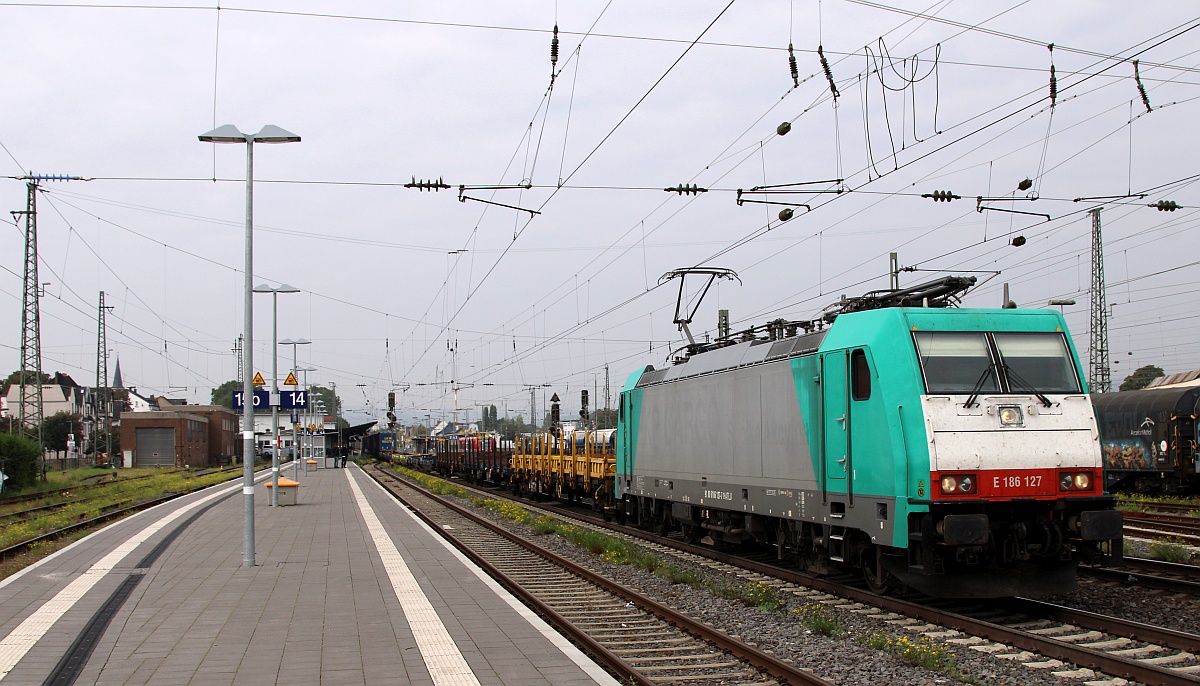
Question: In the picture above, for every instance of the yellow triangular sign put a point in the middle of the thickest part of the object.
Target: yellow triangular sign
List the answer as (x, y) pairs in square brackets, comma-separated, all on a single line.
[(258, 380), (291, 380)]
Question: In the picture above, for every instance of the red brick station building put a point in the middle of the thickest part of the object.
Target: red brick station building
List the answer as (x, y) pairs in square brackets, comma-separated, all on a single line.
[(180, 436)]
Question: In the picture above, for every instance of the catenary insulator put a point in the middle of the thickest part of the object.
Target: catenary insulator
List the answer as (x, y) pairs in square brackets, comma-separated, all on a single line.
[(792, 66), (828, 72), (1137, 78), (783, 128), (554, 48), (942, 196), (1166, 205), (1053, 87), (786, 214), (1025, 184)]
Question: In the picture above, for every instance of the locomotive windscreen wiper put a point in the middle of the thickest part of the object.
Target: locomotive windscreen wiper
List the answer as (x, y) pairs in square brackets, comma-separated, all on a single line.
[(979, 385), (1014, 376)]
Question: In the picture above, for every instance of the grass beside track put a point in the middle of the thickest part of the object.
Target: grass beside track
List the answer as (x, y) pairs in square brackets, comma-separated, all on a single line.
[(1131, 502), (116, 495), (613, 549), (84, 476), (923, 652)]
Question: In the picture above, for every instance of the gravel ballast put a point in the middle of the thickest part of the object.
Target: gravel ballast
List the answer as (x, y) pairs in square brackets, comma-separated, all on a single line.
[(847, 659)]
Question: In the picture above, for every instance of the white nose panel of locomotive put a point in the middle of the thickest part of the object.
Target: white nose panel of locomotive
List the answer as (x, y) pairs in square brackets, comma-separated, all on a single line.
[(1009, 432)]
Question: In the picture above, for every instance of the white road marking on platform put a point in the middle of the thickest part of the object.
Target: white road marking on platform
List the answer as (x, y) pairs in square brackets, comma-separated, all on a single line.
[(20, 640), (575, 655), (441, 654)]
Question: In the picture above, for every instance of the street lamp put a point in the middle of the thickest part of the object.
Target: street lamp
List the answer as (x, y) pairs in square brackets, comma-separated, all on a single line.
[(281, 288), (295, 445), (1061, 303), (337, 408), (305, 419), (230, 134)]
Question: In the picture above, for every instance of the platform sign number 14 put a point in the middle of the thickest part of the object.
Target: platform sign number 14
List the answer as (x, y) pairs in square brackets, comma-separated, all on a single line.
[(293, 400)]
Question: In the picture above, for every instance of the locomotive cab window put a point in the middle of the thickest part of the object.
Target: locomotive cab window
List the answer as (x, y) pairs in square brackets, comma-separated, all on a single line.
[(1037, 362), (860, 375), (968, 362), (956, 362)]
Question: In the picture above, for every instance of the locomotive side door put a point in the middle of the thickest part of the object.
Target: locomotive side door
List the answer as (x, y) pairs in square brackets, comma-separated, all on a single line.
[(835, 410)]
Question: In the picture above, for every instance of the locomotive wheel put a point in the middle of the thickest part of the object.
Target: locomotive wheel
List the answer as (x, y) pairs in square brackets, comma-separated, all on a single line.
[(879, 581), (806, 559), (661, 527)]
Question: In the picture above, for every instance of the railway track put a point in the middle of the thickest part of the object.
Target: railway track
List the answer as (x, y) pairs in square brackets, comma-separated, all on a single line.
[(41, 510), (114, 512), (30, 512), (83, 487), (1037, 634), (639, 639), (1176, 508), (1158, 525), (1070, 643), (1168, 576)]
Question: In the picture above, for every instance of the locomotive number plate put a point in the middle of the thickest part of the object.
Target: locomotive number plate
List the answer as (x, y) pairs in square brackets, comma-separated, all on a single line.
[(1022, 482)]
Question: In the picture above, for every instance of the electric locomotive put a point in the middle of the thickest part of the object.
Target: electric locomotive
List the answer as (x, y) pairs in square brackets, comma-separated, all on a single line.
[(952, 451)]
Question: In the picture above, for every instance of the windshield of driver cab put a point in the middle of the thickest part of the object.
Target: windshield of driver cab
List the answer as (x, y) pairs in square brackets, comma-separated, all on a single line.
[(1037, 362), (956, 362)]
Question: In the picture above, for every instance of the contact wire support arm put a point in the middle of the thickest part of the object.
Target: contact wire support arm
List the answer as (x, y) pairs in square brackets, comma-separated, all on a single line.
[(980, 207), (463, 197)]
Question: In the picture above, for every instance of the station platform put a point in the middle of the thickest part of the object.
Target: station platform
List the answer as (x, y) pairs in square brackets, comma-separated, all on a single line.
[(349, 587)]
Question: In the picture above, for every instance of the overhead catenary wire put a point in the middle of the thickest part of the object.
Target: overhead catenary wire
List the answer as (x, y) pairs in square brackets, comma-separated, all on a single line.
[(840, 175)]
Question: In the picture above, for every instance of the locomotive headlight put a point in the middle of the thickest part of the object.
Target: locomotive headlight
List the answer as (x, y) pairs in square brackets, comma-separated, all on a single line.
[(1010, 415), (1082, 481), (1065, 482), (958, 484)]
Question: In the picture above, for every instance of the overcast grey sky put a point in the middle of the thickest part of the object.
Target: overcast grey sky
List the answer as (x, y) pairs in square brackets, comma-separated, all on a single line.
[(951, 95)]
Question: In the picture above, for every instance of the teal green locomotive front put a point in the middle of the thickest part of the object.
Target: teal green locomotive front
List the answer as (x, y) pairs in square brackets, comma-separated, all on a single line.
[(953, 451)]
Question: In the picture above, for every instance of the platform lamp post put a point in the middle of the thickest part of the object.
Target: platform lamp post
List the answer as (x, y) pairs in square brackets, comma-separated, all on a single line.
[(307, 413), (281, 288), (1061, 303), (230, 134), (295, 444)]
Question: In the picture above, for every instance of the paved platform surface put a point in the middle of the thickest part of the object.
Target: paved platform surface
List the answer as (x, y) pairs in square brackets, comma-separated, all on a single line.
[(349, 588)]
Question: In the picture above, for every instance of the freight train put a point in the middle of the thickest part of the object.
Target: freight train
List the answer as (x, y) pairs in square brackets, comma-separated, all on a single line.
[(572, 464), (1149, 439), (953, 451), (480, 458)]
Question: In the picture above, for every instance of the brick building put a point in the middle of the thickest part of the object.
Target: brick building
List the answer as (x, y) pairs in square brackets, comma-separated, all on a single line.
[(198, 436)]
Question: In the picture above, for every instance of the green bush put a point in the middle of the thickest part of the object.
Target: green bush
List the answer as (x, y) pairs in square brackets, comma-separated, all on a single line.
[(545, 525), (752, 593), (823, 620), (18, 461), (680, 576), (923, 652), (1170, 550)]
